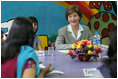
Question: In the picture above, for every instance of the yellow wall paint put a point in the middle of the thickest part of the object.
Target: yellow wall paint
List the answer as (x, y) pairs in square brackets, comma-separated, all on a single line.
[(44, 41), (84, 19), (94, 10)]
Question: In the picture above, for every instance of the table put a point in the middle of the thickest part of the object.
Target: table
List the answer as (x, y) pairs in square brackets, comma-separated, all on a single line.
[(71, 68)]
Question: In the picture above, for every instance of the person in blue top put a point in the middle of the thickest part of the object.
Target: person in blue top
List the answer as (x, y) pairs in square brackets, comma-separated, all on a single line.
[(37, 41), (18, 57)]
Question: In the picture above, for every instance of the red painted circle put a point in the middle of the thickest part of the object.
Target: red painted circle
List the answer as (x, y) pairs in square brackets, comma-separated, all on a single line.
[(89, 25), (105, 32), (96, 25), (98, 15), (113, 17), (110, 26), (105, 17), (107, 5)]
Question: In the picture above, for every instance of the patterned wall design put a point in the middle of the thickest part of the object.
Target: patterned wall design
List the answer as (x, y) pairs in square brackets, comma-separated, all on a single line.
[(99, 16)]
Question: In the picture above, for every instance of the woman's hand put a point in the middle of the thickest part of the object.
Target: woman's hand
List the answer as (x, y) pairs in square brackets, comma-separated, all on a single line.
[(44, 71)]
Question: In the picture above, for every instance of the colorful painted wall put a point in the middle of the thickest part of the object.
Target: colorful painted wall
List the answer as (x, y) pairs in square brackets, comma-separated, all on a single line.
[(99, 16)]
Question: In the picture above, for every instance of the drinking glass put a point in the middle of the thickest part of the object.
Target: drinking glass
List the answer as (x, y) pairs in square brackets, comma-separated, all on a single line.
[(51, 51)]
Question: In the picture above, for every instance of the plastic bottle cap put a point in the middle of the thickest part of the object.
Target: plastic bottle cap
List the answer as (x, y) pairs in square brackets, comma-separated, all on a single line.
[(96, 32)]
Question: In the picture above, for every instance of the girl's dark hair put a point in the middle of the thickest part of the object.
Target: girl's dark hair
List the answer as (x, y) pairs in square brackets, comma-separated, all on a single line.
[(71, 9), (111, 62), (33, 20), (21, 33)]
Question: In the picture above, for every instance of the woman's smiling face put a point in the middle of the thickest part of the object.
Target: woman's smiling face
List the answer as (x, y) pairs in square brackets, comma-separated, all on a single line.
[(73, 19)]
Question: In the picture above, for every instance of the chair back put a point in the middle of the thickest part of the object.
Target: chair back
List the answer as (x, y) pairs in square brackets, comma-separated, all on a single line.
[(44, 41)]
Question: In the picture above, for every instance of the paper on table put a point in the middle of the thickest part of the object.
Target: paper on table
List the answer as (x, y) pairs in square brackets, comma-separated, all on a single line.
[(55, 72), (42, 66), (89, 72), (62, 51), (40, 53)]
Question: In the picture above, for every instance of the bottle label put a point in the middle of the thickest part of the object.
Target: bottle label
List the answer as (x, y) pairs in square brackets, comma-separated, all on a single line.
[(94, 41), (98, 41)]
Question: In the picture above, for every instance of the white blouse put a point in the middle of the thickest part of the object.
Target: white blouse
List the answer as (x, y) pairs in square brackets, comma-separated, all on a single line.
[(79, 32)]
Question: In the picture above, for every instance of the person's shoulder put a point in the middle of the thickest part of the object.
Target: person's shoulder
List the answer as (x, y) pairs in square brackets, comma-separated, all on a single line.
[(64, 28), (36, 35), (85, 27)]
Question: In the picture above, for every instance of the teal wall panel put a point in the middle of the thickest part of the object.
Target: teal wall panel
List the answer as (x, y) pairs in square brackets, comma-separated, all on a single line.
[(51, 16)]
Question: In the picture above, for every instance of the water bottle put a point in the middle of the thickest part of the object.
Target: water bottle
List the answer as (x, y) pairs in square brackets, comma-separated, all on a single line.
[(96, 40)]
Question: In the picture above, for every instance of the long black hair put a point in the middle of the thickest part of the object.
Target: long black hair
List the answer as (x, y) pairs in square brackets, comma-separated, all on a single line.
[(33, 20), (21, 33), (111, 62)]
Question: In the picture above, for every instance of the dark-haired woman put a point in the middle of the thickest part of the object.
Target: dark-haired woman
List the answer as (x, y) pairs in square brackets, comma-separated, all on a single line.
[(73, 32), (109, 68), (18, 58), (37, 41)]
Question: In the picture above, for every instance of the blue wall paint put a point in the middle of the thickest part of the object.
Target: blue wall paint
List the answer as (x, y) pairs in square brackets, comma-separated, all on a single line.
[(111, 11), (51, 16)]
